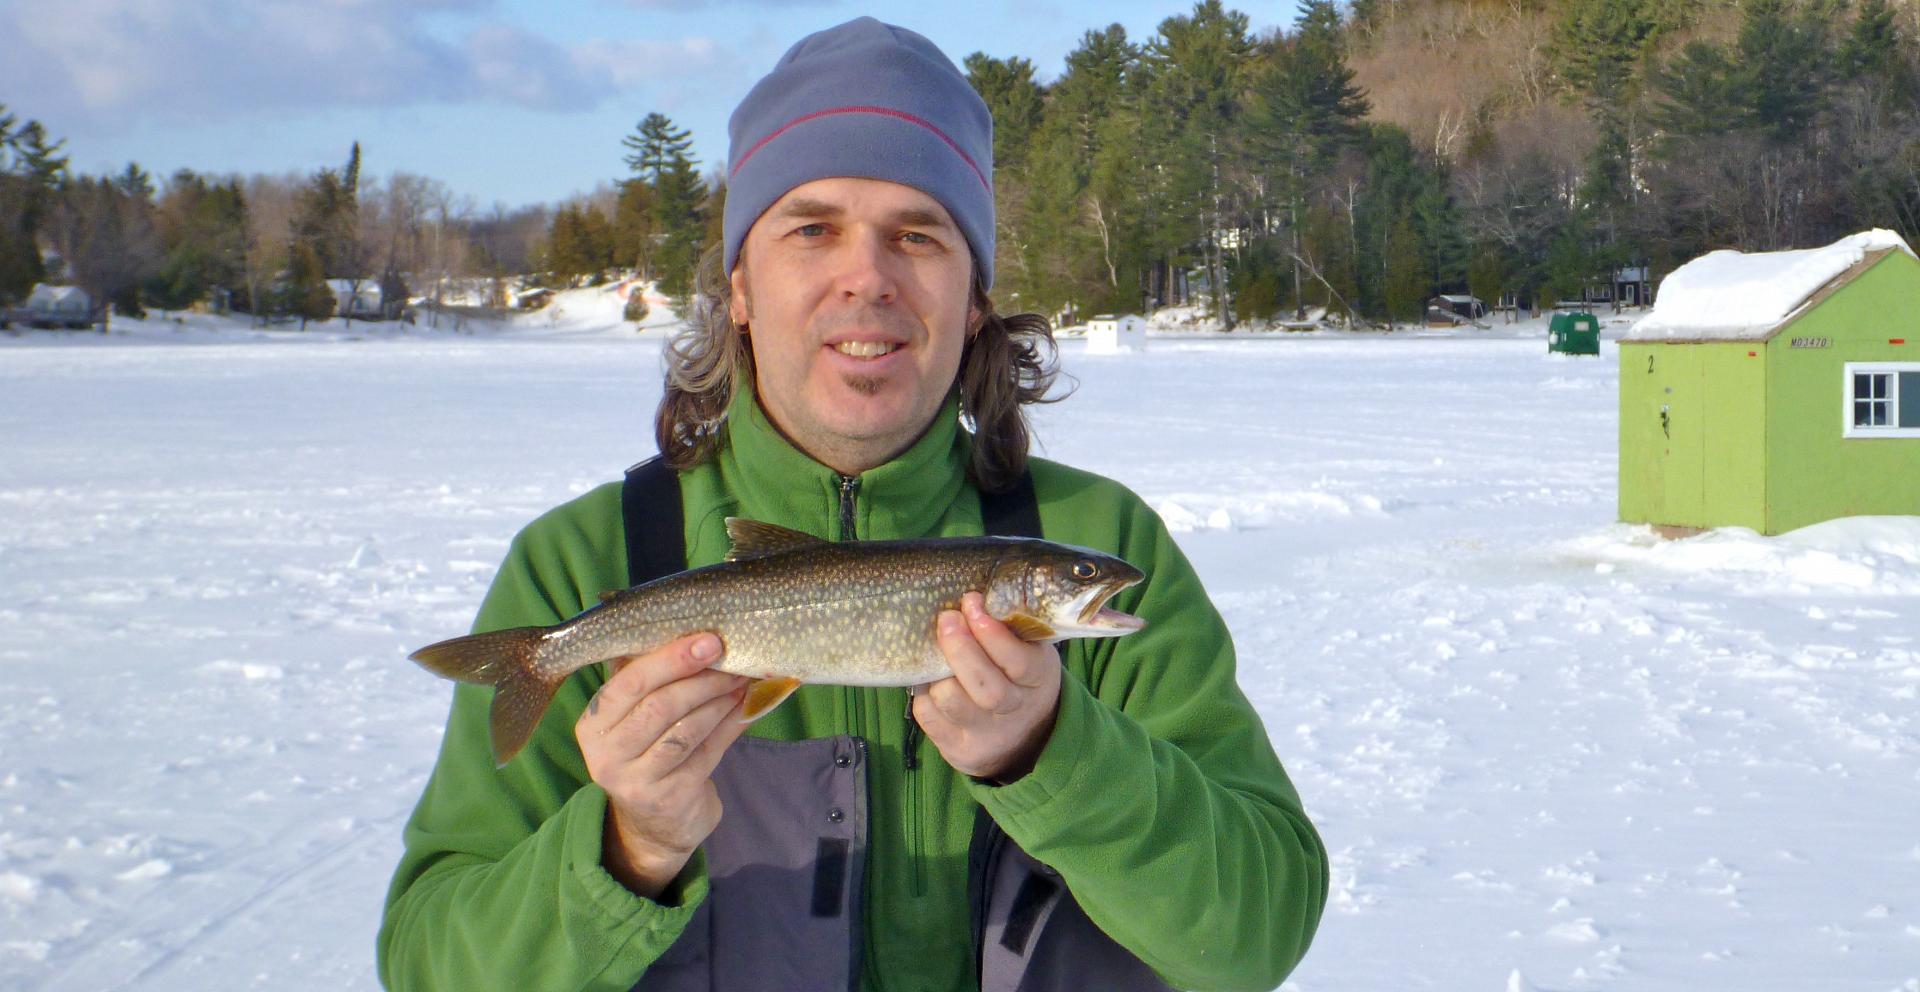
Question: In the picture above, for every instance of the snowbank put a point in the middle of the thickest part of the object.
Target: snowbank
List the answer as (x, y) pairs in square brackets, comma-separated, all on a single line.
[(1878, 556), (1731, 296)]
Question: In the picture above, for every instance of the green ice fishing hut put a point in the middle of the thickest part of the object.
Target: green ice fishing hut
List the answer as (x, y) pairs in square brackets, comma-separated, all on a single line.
[(1775, 390)]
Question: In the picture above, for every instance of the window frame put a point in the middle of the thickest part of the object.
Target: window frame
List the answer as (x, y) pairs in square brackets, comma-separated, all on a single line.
[(1893, 372)]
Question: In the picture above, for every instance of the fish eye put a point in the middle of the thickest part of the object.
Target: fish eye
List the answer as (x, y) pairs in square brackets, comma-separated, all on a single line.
[(1085, 570)]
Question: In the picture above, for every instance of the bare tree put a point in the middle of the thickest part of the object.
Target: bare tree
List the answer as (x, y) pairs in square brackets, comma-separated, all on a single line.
[(271, 203)]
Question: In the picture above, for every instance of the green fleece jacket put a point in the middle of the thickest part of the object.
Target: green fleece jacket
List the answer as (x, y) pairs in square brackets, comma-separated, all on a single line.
[(1158, 797)]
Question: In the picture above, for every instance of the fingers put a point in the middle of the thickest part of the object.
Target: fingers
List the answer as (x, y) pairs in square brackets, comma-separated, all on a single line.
[(1022, 662), (656, 712), (978, 682), (635, 678)]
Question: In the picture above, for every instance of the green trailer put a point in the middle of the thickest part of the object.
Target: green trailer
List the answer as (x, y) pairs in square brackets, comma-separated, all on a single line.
[(1780, 423)]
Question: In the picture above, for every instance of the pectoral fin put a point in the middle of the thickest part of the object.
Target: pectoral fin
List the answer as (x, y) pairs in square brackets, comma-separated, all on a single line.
[(1029, 628), (764, 694)]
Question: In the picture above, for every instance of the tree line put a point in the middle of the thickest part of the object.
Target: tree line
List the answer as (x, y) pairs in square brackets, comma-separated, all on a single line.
[(262, 245), (1364, 159), (1359, 160)]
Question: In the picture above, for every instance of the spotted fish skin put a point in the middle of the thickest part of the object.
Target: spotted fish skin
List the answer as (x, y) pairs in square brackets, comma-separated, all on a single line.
[(792, 609)]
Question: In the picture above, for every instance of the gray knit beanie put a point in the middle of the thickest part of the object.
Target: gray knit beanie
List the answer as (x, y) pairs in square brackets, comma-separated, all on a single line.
[(866, 100)]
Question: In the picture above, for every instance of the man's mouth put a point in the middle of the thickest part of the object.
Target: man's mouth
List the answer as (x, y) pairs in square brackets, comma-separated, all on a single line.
[(866, 349)]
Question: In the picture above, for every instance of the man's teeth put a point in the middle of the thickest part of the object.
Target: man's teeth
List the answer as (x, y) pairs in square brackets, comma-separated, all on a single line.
[(865, 349)]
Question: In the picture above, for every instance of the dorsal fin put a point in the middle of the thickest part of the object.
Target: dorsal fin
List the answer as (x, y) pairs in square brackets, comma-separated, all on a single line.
[(753, 539), (610, 595)]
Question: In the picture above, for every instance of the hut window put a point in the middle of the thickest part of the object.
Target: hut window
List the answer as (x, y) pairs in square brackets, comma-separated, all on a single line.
[(1874, 396)]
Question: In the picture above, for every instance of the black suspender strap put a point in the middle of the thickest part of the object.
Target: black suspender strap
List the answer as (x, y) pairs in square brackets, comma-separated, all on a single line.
[(1014, 513), (656, 538), (650, 508)]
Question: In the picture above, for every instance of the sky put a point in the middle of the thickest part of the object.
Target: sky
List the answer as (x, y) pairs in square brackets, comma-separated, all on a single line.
[(507, 101)]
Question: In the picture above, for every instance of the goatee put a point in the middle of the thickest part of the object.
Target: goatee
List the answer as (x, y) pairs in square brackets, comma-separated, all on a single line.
[(865, 385)]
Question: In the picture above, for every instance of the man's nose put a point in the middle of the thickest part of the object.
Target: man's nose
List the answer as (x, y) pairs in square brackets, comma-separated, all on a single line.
[(866, 269)]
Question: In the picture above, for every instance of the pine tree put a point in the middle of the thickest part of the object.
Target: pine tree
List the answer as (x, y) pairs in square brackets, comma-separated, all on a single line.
[(1784, 67), (307, 293), (31, 172), (1487, 273), (1405, 284), (1872, 47), (1081, 213), (676, 213), (660, 159), (328, 221), (1700, 92), (633, 226), (1014, 101), (1569, 262), (1328, 247), (1599, 47), (1197, 67), (1303, 109), (656, 144), (597, 234)]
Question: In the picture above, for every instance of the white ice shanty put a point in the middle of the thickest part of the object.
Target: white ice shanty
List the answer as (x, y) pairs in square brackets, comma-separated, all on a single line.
[(1111, 334)]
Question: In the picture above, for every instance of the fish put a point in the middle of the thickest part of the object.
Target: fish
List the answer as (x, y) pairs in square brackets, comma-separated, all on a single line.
[(792, 609)]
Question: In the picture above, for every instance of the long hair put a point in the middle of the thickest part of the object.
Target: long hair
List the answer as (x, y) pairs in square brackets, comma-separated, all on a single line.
[(1010, 362)]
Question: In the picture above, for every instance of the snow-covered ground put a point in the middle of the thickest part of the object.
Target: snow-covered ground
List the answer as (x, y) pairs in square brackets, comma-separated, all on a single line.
[(1547, 751)]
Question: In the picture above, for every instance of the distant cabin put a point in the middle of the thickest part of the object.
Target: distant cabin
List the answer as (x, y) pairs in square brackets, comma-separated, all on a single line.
[(1775, 390), (1109, 334), (363, 302), (59, 306), (1624, 287), (532, 299), (1447, 310)]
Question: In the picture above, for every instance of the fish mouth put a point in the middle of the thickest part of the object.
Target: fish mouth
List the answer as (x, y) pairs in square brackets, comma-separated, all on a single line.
[(1095, 620)]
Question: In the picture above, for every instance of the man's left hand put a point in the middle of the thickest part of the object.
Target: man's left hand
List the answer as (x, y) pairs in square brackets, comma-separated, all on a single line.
[(993, 716)]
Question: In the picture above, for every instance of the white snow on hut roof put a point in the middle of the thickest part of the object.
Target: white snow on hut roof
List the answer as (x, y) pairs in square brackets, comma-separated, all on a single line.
[(1734, 296)]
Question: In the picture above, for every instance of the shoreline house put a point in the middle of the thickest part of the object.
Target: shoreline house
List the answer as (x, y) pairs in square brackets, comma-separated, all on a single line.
[(50, 306), (1775, 390), (365, 299)]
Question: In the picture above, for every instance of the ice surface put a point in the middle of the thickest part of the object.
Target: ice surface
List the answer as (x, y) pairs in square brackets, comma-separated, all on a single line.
[(1546, 750), (1730, 295)]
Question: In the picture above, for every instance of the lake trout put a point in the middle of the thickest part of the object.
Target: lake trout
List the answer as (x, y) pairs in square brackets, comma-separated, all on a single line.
[(792, 609)]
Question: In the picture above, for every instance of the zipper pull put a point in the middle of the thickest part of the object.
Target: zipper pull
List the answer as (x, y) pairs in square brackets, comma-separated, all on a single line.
[(910, 744), (849, 484)]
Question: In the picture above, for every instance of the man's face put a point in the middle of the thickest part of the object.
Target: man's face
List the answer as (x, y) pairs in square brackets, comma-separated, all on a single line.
[(856, 297)]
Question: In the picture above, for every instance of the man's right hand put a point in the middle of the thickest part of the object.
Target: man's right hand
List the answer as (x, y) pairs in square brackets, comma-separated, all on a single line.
[(651, 737)]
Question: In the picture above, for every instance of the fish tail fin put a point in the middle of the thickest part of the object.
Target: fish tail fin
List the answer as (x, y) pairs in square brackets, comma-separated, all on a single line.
[(505, 660)]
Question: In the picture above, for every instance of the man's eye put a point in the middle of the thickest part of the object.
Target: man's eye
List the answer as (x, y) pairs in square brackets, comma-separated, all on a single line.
[(916, 238), (811, 230)]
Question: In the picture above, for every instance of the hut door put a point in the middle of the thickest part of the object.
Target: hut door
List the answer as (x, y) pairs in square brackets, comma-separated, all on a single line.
[(1683, 441)]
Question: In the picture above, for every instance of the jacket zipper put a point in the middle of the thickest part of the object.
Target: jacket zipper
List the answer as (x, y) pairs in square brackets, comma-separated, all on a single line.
[(849, 485), (909, 744), (910, 738)]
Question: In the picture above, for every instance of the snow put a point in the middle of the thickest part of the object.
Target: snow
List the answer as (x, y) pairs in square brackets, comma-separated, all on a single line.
[(1733, 296), (1547, 751)]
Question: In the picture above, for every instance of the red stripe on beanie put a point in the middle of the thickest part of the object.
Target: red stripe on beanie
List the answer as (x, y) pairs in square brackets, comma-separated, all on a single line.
[(882, 111)]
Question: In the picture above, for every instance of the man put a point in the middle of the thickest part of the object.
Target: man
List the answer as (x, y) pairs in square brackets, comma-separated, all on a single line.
[(1110, 816)]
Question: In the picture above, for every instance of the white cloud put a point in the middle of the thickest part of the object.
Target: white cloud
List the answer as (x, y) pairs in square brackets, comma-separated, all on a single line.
[(81, 64)]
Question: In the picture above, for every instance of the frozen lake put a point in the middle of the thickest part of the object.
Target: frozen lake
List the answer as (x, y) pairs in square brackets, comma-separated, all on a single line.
[(1546, 751)]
